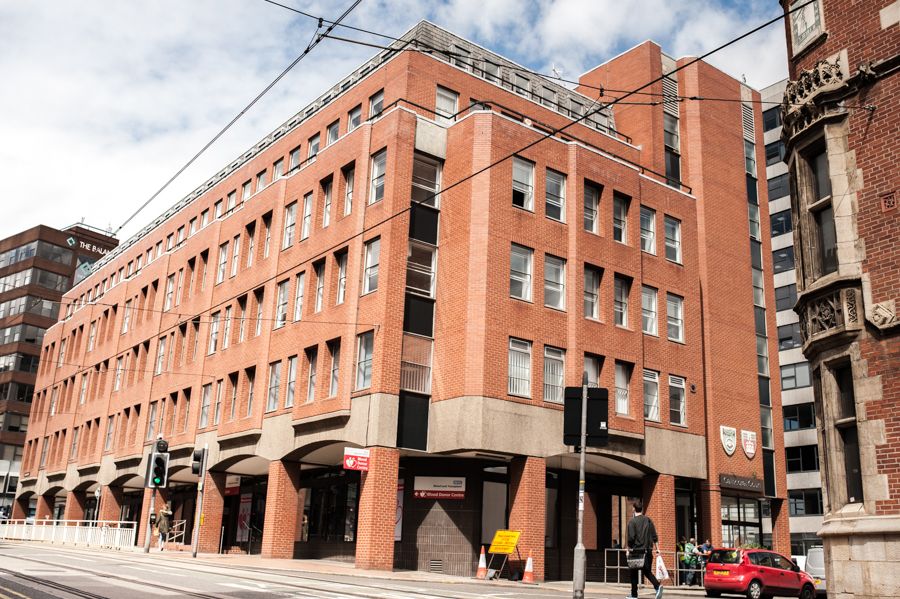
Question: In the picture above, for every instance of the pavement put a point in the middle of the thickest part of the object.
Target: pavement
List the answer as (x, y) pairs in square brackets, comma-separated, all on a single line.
[(30, 570)]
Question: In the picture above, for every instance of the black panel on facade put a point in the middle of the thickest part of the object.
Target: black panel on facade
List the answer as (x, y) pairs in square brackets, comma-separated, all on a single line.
[(752, 195), (418, 315), (412, 421), (423, 223), (769, 472)]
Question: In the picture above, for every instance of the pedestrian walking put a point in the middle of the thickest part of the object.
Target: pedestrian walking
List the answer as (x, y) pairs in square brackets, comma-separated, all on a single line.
[(690, 564), (164, 524), (642, 544)]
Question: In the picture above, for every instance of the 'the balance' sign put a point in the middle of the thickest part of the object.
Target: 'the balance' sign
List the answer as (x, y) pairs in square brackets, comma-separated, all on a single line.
[(356, 459)]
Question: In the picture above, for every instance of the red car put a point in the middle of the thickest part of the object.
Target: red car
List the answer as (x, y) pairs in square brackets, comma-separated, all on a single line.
[(757, 574)]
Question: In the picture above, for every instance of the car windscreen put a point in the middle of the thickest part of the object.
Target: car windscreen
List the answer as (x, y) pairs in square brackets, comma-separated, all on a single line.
[(815, 559), (725, 556)]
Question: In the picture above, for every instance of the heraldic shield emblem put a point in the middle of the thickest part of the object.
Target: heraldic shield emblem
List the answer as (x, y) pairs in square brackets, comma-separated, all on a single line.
[(748, 442), (729, 438)]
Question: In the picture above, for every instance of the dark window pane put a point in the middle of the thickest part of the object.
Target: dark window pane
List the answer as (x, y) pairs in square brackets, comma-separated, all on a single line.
[(412, 421), (819, 165), (418, 315), (785, 297), (778, 187), (756, 254), (774, 153), (781, 222), (783, 259), (673, 168), (771, 118), (827, 238), (789, 336), (423, 223)]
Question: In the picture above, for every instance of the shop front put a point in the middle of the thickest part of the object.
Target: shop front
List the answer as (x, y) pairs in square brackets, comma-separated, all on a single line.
[(740, 507), (329, 505), (243, 514)]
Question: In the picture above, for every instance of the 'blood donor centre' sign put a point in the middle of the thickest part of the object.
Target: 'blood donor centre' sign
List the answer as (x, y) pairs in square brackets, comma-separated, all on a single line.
[(356, 459), (439, 487)]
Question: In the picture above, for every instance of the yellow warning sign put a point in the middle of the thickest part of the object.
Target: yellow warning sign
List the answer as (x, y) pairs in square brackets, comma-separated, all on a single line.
[(504, 542)]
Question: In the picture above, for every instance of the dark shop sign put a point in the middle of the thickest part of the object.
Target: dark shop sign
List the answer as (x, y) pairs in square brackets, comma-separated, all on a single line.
[(741, 483)]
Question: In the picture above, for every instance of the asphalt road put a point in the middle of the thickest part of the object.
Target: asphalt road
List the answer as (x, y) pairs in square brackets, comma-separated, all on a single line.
[(40, 571)]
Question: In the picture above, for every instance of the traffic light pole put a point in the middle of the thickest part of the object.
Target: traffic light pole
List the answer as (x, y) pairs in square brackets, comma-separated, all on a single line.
[(198, 515), (579, 557), (147, 534)]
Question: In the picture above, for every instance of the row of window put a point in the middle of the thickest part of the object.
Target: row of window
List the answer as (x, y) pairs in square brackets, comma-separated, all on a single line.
[(34, 276), (36, 249), (22, 333), (555, 209), (29, 304), (519, 381), (14, 423), (18, 362)]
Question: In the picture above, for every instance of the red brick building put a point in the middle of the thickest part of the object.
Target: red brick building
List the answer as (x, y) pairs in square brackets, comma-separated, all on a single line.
[(298, 303), (841, 122), (36, 267)]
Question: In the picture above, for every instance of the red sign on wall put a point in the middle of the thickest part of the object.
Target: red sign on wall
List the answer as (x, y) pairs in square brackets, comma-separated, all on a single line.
[(356, 459)]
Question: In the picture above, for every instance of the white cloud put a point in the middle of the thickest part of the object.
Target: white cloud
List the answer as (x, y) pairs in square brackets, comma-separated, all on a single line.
[(103, 101)]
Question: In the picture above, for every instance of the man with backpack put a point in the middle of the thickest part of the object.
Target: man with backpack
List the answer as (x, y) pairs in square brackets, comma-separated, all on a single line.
[(642, 543)]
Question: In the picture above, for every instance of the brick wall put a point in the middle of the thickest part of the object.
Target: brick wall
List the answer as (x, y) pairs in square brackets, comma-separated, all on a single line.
[(210, 532), (377, 501), (282, 494), (528, 499), (74, 505)]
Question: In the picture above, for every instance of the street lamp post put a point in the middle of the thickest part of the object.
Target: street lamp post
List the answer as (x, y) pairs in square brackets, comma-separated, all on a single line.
[(578, 571)]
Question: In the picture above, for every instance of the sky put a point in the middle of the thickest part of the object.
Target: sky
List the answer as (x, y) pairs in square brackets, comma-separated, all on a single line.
[(102, 101)]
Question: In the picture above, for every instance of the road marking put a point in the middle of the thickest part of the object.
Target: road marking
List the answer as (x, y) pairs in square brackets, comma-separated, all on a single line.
[(146, 587), (13, 592), (146, 568)]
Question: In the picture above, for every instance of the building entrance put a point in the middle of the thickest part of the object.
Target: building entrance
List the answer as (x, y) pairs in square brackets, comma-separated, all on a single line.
[(330, 506), (243, 515)]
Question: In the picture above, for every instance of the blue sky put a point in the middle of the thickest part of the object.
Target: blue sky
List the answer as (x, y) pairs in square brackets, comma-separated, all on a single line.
[(103, 101)]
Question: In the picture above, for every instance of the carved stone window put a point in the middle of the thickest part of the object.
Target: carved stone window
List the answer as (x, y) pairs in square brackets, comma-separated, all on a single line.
[(814, 207)]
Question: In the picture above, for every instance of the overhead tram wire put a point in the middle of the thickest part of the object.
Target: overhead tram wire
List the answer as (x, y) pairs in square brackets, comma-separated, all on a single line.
[(317, 39), (543, 137)]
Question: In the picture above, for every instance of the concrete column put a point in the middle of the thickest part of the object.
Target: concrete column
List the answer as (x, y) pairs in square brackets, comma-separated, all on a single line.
[(659, 505), (781, 531), (282, 496), (377, 504), (110, 503), (20, 508), (210, 534), (74, 506), (528, 506), (44, 507)]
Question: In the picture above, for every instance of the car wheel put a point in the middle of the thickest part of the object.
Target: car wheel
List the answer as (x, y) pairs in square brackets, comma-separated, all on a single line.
[(713, 594), (755, 590), (808, 592)]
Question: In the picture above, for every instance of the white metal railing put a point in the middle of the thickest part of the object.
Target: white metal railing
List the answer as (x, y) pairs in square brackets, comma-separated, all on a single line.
[(88, 533)]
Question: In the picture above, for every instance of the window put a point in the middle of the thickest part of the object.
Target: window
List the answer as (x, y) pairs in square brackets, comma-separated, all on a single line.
[(759, 291), (370, 274), (110, 429), (620, 218), (677, 408), (294, 159), (781, 222), (778, 187), (354, 117), (235, 254), (592, 366), (799, 417), (623, 384), (789, 336), (160, 355), (246, 191), (217, 210), (805, 502), (278, 169), (783, 259), (312, 358), (298, 295), (520, 263), (591, 292), (673, 239), (334, 347), (755, 225), (170, 292), (556, 196), (675, 317), (242, 319), (281, 304), (213, 333), (204, 220), (554, 369), (672, 147), (794, 376), (291, 383), (274, 384), (307, 216), (548, 97), (290, 224), (341, 278), (348, 191), (376, 104), (523, 183), (554, 282), (379, 163), (420, 268), (785, 297), (258, 295), (126, 317), (591, 206), (117, 383), (774, 153), (205, 399), (319, 270), (312, 147), (92, 333), (226, 329), (803, 458), (771, 118), (826, 236), (651, 395), (622, 287), (750, 157), (332, 133), (217, 411), (848, 434), (522, 85), (251, 388), (648, 310), (223, 263), (326, 208), (519, 377), (648, 230), (426, 181), (461, 57), (365, 347), (267, 229), (446, 105), (762, 355), (491, 71)]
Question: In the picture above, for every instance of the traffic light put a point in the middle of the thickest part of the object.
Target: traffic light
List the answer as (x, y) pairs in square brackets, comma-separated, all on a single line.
[(158, 470), (199, 462)]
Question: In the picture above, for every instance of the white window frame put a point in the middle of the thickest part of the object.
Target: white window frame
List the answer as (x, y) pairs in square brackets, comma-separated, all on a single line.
[(354, 118), (446, 105), (341, 278), (554, 281), (335, 348), (348, 190), (651, 395), (648, 230), (621, 291), (332, 133), (326, 207), (592, 276), (555, 195), (620, 219), (300, 282), (591, 208), (523, 277), (290, 225), (274, 386), (213, 344), (281, 304), (673, 242), (312, 357), (519, 372), (365, 343), (675, 317), (676, 385), (649, 310), (523, 182), (554, 374), (378, 177), (306, 225), (370, 271), (319, 270)]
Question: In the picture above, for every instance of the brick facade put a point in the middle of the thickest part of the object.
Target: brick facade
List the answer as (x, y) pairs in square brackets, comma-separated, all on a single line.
[(377, 500), (528, 505), (210, 535), (281, 510)]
